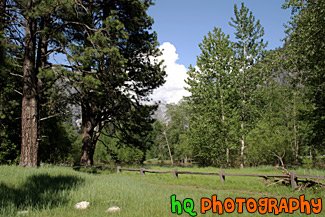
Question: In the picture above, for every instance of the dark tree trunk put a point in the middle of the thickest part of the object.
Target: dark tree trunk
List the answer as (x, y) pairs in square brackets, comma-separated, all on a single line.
[(87, 127), (2, 14), (40, 63), (42, 46), (30, 110), (2, 49)]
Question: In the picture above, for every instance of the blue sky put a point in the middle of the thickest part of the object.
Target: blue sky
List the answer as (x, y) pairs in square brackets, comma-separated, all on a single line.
[(182, 24)]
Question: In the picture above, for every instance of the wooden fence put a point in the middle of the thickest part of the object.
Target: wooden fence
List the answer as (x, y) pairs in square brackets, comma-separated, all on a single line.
[(222, 174)]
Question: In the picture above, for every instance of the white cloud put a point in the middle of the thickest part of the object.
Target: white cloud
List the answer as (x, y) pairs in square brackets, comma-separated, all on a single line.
[(173, 90)]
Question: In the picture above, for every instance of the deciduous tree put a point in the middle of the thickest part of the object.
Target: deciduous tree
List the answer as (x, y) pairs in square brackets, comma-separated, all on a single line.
[(212, 84), (249, 50), (306, 51)]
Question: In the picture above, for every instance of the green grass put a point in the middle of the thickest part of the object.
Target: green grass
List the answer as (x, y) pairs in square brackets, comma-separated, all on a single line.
[(53, 191)]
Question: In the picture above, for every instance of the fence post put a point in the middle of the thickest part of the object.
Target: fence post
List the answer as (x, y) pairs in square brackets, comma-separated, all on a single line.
[(142, 171), (175, 174), (222, 176), (293, 179), (118, 169)]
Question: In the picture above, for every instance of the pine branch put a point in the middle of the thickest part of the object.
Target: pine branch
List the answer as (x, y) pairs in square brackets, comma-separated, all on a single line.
[(59, 65), (52, 116), (52, 51), (17, 75), (18, 92)]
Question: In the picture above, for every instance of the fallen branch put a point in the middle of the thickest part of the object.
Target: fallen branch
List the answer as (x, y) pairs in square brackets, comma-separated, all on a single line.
[(281, 161), (281, 180)]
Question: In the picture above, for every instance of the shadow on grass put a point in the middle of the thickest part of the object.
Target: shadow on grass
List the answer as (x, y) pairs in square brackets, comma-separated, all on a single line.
[(39, 191), (95, 169)]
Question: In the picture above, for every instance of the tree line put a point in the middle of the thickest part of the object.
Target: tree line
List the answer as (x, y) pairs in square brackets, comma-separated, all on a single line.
[(107, 68), (248, 105)]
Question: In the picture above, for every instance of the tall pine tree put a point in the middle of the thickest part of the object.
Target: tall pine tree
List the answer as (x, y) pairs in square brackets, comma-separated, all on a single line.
[(112, 55), (33, 27)]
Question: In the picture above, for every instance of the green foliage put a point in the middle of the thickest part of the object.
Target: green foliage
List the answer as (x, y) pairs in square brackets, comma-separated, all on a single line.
[(305, 41), (177, 118), (130, 155), (8, 152), (249, 44), (183, 151), (111, 51), (112, 150), (58, 138), (159, 148), (10, 103), (213, 101), (267, 101), (243, 98), (60, 142), (174, 129), (250, 49), (127, 140), (224, 100), (106, 150), (10, 110)]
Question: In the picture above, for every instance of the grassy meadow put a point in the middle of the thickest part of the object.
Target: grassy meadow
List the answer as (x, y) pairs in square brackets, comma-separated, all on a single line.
[(53, 191)]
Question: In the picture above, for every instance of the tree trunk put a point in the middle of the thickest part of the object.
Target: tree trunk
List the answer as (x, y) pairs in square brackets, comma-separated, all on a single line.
[(2, 14), (296, 146), (185, 160), (242, 148), (30, 110), (40, 63), (227, 154), (310, 155), (225, 134), (2, 47), (170, 153), (88, 141)]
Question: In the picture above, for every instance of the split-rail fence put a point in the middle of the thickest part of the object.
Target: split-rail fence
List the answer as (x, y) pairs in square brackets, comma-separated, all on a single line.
[(292, 176)]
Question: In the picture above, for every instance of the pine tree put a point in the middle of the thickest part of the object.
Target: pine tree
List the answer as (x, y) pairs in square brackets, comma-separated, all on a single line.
[(31, 32), (111, 53)]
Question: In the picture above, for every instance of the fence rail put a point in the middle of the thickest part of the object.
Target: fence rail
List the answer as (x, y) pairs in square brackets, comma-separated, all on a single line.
[(222, 174)]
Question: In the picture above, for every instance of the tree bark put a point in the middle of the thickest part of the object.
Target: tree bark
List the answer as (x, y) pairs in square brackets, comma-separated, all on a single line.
[(30, 110), (225, 134), (89, 137), (296, 143), (227, 154), (242, 149)]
